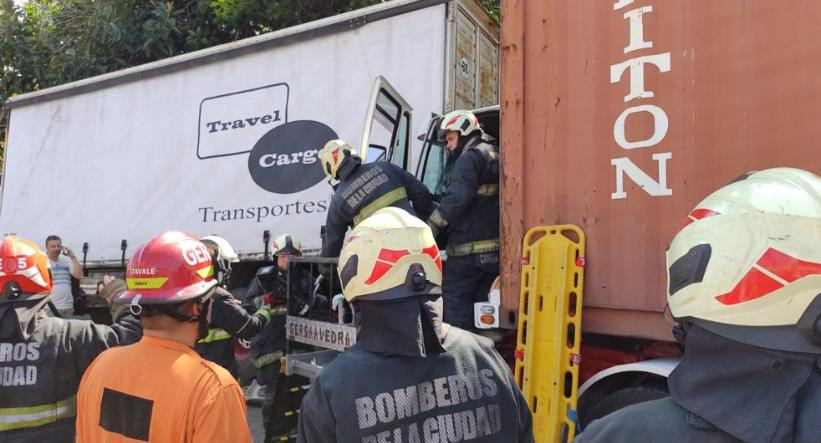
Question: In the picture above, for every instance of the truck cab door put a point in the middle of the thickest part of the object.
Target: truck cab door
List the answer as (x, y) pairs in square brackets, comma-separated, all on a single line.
[(386, 135), (431, 167)]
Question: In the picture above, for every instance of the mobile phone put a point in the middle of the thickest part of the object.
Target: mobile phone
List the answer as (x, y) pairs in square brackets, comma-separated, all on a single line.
[(65, 251)]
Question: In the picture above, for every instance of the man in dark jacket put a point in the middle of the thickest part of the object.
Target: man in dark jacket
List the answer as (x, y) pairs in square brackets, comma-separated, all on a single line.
[(410, 377), (228, 319), (364, 189), (744, 287), (287, 295), (42, 359), (469, 213)]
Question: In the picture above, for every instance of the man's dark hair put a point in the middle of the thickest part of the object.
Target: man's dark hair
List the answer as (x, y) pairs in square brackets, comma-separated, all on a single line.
[(53, 237)]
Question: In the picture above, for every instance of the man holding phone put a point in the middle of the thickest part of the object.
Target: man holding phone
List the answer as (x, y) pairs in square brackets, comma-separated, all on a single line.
[(64, 265)]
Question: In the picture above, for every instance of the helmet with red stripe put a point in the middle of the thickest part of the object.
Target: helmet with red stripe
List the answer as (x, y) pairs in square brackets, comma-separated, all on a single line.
[(390, 255), (170, 269), (462, 121), (24, 271), (746, 263), (333, 154)]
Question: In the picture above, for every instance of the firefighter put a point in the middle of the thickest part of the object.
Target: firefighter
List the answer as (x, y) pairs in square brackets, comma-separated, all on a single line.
[(409, 377), (469, 213), (744, 284), (42, 358), (228, 318), (160, 389), (223, 255), (363, 189), (268, 347)]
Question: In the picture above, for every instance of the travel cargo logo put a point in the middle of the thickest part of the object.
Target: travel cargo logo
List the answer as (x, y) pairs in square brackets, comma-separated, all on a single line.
[(285, 160), (282, 155)]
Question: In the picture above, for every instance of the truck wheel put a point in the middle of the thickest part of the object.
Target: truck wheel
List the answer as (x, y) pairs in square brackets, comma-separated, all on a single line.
[(623, 398)]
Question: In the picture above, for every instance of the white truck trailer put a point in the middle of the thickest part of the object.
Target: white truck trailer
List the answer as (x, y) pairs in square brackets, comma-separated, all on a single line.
[(224, 140)]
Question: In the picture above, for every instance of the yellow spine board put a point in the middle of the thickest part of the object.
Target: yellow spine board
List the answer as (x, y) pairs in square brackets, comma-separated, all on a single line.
[(549, 333)]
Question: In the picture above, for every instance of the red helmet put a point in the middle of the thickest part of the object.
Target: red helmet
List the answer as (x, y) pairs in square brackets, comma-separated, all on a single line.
[(171, 268), (23, 269)]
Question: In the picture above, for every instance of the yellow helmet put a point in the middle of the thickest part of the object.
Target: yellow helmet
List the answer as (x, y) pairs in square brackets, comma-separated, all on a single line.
[(747, 262), (333, 154), (390, 255)]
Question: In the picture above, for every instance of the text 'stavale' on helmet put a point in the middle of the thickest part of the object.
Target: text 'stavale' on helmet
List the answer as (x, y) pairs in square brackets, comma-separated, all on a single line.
[(24, 270), (462, 121), (170, 269), (746, 263), (390, 255), (333, 154), (287, 244)]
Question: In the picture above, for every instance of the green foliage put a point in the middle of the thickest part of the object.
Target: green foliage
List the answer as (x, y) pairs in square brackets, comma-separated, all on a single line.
[(48, 42), (493, 8)]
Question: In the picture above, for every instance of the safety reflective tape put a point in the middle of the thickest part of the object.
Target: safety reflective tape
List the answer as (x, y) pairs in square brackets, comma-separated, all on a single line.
[(267, 359), (146, 283), (477, 247), (215, 334), (206, 272), (33, 416), (279, 310), (384, 201), (488, 190), (265, 312), (437, 219)]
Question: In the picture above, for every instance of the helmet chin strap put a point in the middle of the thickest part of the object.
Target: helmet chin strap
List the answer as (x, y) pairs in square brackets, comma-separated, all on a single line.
[(203, 317), (135, 307)]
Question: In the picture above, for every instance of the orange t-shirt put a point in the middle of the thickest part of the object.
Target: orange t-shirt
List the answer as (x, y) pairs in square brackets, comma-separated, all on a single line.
[(159, 390)]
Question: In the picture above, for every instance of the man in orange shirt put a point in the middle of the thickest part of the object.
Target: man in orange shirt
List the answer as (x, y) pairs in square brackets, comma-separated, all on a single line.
[(160, 389)]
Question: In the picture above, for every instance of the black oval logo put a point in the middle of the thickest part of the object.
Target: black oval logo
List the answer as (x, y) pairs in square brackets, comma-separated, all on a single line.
[(285, 160)]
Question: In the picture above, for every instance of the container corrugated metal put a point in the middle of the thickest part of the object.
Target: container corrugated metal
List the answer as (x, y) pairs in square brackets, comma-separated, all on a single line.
[(619, 116)]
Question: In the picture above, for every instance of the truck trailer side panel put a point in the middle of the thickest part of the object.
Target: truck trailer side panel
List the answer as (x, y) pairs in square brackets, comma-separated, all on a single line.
[(202, 147), (619, 116)]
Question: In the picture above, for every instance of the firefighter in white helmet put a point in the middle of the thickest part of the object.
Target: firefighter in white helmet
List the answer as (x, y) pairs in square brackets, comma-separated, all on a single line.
[(228, 320), (469, 213), (744, 278), (409, 377), (363, 189), (287, 289)]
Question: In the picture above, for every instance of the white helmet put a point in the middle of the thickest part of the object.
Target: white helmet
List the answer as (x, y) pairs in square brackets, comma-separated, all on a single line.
[(461, 121), (224, 249), (333, 154), (747, 262), (225, 255), (287, 244), (390, 255)]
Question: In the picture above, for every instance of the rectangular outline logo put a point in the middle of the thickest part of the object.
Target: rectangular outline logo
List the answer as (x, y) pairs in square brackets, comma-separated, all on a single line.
[(199, 118)]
